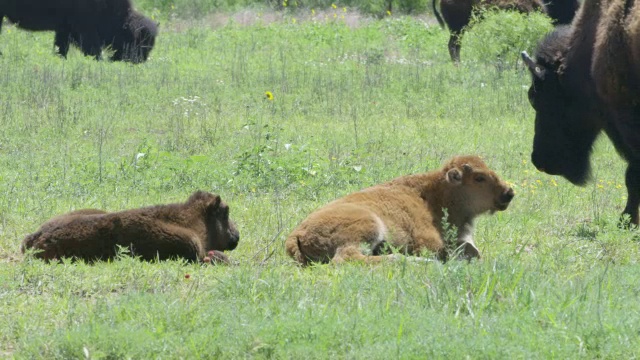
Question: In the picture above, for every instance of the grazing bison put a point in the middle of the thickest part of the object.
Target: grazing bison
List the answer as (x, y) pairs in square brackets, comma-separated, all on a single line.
[(187, 230), (585, 80), (406, 213), (89, 24), (457, 15)]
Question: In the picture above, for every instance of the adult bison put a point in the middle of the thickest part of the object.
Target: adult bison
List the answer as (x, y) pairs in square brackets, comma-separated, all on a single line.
[(89, 24), (586, 79), (406, 213), (458, 13), (189, 230)]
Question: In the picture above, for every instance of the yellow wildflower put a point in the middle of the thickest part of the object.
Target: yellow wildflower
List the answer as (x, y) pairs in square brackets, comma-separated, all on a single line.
[(388, 12), (334, 6), (268, 95)]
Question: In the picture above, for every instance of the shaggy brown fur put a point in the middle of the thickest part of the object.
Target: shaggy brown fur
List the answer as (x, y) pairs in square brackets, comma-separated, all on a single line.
[(405, 213), (457, 15), (186, 230), (586, 78)]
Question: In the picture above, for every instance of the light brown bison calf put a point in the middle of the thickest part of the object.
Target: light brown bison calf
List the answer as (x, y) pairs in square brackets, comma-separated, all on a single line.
[(406, 213), (185, 230)]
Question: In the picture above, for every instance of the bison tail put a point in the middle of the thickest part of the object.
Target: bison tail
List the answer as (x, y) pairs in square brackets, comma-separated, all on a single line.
[(437, 14), (294, 249)]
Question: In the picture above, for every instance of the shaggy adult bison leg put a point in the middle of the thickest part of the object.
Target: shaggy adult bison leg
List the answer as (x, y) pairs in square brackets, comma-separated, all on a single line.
[(91, 46), (454, 46), (62, 42), (632, 180)]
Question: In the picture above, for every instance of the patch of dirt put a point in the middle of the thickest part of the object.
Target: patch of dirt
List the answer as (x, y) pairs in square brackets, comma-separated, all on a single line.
[(251, 17)]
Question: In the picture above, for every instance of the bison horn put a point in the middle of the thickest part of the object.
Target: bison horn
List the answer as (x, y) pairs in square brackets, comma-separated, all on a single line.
[(535, 68)]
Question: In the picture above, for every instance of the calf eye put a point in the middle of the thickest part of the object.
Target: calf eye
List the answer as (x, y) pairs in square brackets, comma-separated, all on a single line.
[(480, 178)]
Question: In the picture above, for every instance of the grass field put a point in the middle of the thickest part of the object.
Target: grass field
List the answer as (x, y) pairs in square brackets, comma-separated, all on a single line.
[(355, 102)]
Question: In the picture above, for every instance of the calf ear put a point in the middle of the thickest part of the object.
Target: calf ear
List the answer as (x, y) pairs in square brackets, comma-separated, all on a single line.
[(213, 203), (454, 176), (537, 70)]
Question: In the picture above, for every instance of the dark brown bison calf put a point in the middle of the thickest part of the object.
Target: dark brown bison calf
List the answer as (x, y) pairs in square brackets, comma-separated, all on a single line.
[(185, 230)]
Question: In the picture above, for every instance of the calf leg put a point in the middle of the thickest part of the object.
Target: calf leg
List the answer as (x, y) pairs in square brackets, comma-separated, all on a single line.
[(353, 253), (165, 242), (632, 180), (466, 246)]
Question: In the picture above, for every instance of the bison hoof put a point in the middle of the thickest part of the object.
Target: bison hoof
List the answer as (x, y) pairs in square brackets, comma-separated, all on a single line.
[(216, 257), (626, 222)]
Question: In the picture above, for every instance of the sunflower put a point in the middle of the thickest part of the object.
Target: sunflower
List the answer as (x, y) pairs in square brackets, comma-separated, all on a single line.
[(268, 95)]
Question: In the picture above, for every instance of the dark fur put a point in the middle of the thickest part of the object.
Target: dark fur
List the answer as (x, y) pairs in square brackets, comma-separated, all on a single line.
[(585, 81), (89, 24), (562, 12), (183, 230), (458, 13)]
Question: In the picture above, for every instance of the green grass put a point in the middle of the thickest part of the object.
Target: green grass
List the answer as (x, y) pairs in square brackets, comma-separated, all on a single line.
[(356, 102)]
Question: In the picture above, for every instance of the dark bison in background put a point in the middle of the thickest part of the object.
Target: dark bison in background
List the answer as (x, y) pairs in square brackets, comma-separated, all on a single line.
[(458, 13), (562, 12), (194, 230), (89, 24), (586, 79)]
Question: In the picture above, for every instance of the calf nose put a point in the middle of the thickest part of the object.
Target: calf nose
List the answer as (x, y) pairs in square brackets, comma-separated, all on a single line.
[(507, 196), (233, 240)]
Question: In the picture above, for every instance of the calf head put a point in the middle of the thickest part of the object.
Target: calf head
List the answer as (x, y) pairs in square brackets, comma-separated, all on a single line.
[(476, 189), (222, 233)]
